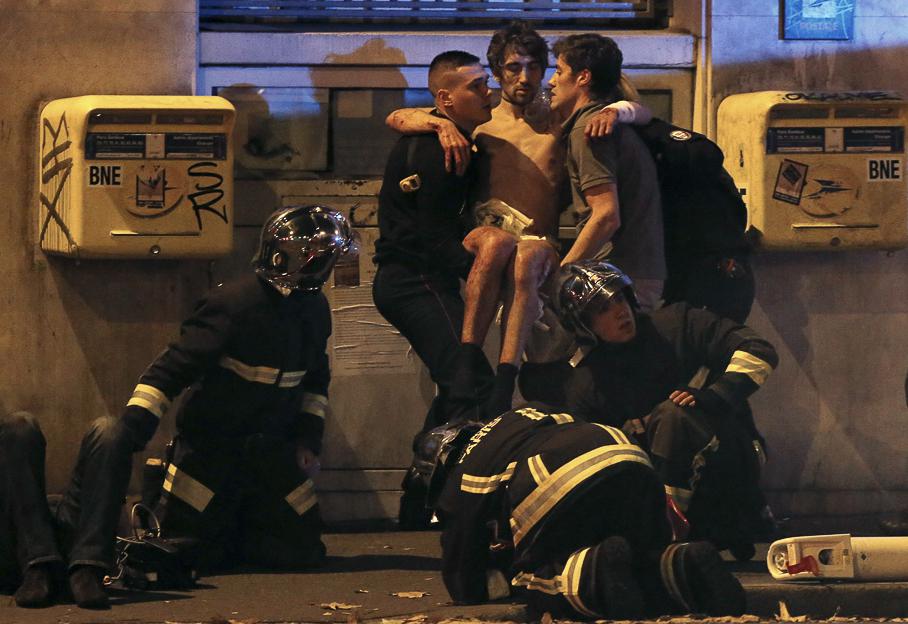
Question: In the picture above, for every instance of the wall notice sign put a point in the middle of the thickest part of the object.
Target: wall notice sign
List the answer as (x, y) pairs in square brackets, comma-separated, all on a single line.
[(884, 170)]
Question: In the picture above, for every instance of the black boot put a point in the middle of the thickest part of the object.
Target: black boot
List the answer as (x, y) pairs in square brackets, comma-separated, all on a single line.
[(617, 589), (699, 581), (36, 588), (470, 385), (502, 392), (87, 587)]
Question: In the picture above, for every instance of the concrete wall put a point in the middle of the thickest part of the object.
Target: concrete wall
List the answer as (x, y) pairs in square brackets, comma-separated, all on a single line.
[(834, 412), (76, 337)]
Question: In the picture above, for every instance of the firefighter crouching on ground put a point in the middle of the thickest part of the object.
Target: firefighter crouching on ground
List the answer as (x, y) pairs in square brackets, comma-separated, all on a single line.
[(679, 377), (250, 428), (570, 514)]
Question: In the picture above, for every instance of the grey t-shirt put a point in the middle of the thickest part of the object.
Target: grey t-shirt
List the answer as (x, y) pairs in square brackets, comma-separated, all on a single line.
[(621, 159)]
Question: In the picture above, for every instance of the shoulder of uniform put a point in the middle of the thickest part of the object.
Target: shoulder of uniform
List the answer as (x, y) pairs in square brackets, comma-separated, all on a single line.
[(240, 293)]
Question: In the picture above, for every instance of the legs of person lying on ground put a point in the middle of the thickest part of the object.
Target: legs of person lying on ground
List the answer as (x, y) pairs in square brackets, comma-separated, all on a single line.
[(28, 549), (492, 249), (89, 512)]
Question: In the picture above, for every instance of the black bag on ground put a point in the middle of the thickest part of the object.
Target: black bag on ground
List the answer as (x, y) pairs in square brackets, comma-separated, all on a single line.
[(158, 563)]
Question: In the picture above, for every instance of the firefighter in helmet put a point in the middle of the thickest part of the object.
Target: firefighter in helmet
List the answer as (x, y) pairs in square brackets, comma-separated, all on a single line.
[(249, 431), (566, 514), (678, 378)]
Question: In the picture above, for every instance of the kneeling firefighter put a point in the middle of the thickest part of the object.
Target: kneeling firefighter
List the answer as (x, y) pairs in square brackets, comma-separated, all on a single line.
[(250, 428), (678, 377), (569, 514)]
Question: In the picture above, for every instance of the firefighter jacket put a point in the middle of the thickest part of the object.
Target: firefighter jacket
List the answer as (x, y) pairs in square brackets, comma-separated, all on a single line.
[(516, 476), (675, 347), (254, 361)]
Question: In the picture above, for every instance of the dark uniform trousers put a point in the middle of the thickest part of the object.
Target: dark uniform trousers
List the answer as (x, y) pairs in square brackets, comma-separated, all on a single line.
[(81, 530), (256, 367), (536, 497), (428, 311), (711, 467), (246, 499)]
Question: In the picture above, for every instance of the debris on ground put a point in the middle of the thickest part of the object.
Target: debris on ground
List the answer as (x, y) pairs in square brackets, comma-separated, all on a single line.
[(411, 594), (785, 616), (339, 606)]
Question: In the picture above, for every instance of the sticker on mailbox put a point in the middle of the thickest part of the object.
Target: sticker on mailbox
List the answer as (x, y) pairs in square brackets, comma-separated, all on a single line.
[(790, 182)]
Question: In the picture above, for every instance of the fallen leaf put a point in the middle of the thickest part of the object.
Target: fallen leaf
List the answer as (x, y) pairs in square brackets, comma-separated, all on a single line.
[(411, 594), (334, 606), (785, 616)]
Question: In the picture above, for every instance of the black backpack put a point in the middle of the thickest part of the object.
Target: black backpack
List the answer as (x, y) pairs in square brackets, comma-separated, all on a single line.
[(704, 214)]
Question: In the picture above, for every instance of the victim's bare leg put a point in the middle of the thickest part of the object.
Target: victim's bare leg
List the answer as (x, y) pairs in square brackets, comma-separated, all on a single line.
[(533, 263), (492, 249)]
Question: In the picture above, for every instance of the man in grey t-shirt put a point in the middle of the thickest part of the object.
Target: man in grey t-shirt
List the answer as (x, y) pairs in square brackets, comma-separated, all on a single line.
[(613, 181)]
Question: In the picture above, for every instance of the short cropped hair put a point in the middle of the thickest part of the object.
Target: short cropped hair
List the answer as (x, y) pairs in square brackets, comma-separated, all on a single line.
[(600, 55), (446, 62), (520, 37)]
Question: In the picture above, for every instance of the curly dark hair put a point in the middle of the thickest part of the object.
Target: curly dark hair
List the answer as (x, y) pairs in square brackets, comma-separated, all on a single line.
[(600, 55), (520, 36)]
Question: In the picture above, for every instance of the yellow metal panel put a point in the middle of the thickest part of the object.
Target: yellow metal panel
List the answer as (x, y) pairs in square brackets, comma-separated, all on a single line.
[(136, 177), (820, 170)]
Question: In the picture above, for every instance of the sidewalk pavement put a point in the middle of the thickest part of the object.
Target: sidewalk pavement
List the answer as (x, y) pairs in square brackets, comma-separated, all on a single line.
[(364, 571)]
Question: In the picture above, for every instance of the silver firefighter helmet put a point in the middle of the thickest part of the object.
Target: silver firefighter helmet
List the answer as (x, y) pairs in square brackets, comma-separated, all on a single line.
[(582, 283), (300, 245), (437, 452)]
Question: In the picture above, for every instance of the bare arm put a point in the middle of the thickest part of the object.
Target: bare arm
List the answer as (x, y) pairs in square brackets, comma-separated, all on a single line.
[(602, 225), (418, 120), (603, 123)]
